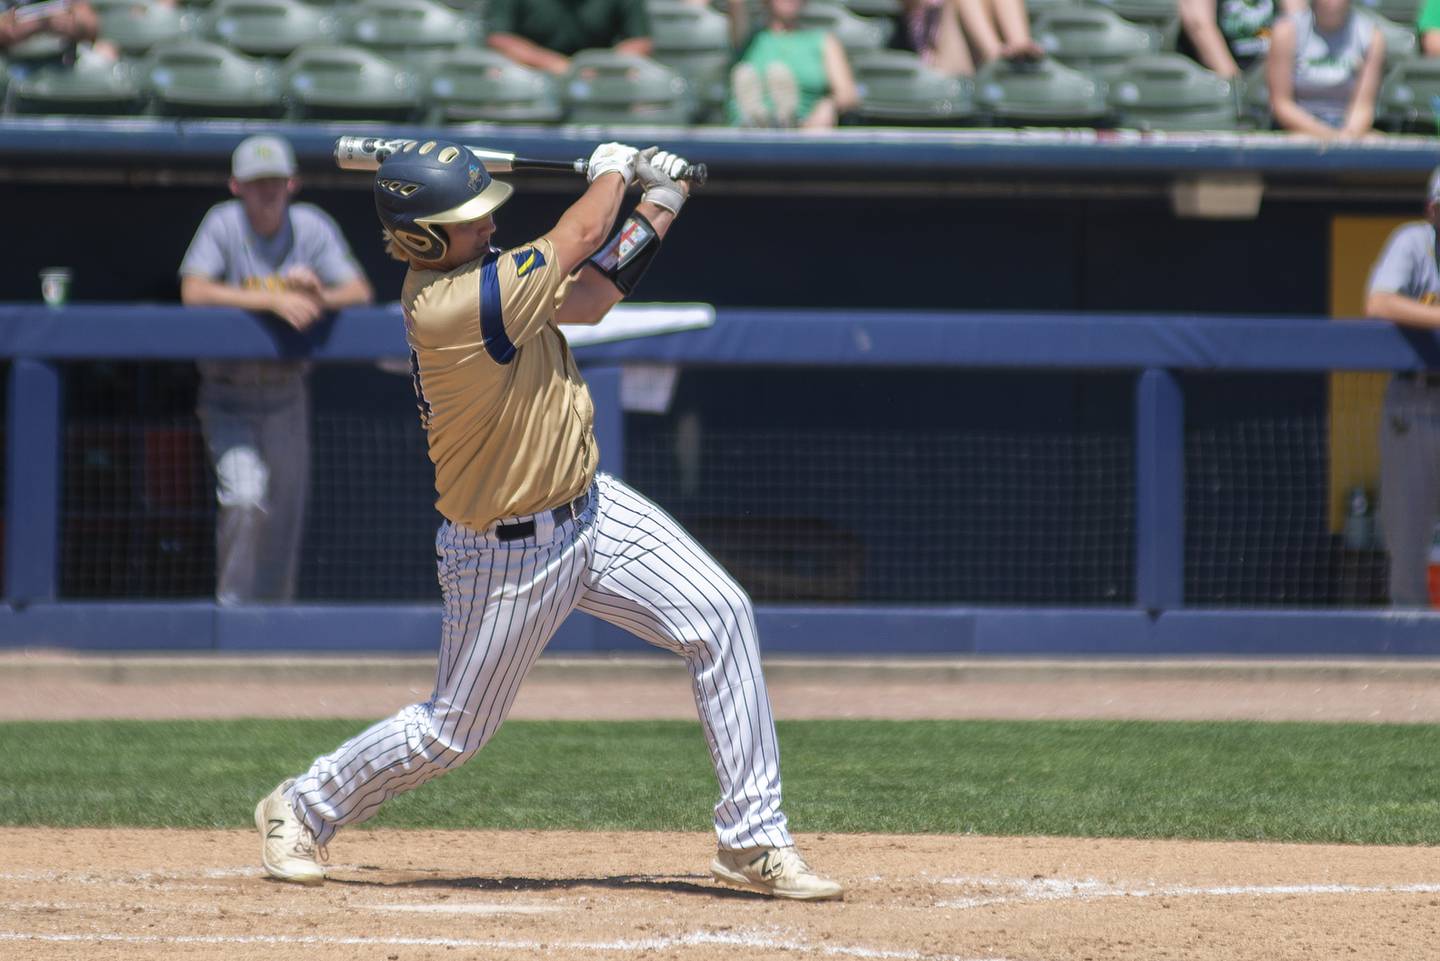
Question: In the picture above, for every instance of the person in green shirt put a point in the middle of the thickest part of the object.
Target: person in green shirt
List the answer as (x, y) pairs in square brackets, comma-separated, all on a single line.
[(1428, 26), (787, 76), (545, 34)]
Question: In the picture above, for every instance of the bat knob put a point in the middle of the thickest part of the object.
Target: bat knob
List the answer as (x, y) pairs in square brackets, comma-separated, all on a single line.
[(697, 174)]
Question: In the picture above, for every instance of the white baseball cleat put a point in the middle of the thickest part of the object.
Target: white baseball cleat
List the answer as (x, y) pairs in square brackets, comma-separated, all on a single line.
[(287, 848), (778, 872)]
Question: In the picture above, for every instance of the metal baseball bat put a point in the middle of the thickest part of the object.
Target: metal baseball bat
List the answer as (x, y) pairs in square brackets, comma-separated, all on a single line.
[(368, 153)]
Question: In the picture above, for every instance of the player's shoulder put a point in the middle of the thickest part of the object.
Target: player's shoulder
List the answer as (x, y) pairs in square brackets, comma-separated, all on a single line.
[(1417, 234), (525, 259), (308, 215)]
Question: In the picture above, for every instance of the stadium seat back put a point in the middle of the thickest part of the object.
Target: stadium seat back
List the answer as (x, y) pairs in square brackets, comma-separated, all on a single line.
[(605, 87), (1410, 97), (410, 31), (1155, 13), (1094, 40), (873, 8), (269, 28), (1400, 40), (854, 32), (1172, 92), (1042, 92), (1404, 12), (90, 87), (482, 85), (896, 88), (348, 83), (137, 25), (195, 78)]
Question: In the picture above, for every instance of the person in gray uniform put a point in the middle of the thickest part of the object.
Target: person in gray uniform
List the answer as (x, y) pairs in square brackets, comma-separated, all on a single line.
[(1404, 287), (261, 252), (1324, 71)]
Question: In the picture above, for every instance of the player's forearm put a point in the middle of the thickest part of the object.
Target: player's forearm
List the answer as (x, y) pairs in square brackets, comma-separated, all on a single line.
[(1406, 311), (197, 291), (660, 218), (528, 53), (636, 47), (583, 228)]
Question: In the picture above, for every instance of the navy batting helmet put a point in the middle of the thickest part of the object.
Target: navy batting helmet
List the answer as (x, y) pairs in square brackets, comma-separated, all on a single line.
[(427, 184)]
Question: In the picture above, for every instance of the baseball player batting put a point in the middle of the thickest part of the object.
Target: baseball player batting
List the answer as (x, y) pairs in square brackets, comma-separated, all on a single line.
[(531, 531)]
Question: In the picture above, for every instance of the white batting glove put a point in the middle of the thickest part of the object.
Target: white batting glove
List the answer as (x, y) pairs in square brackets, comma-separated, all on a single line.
[(656, 172), (613, 158)]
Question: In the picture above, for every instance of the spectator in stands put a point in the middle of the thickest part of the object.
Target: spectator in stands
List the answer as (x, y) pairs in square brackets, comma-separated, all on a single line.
[(1428, 26), (74, 22), (545, 34), (931, 30), (261, 252), (997, 30), (786, 76), (1404, 287), (1324, 71), (1230, 36)]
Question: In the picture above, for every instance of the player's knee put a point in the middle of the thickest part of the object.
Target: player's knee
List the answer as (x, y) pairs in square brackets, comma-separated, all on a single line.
[(242, 478)]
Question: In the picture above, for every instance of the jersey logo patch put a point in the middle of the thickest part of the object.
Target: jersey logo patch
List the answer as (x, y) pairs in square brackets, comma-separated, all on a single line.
[(527, 260)]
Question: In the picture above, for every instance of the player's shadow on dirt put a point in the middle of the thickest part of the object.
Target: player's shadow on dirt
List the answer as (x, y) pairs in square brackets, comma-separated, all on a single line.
[(626, 882)]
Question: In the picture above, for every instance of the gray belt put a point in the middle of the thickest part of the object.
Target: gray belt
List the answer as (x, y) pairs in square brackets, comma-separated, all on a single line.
[(563, 513)]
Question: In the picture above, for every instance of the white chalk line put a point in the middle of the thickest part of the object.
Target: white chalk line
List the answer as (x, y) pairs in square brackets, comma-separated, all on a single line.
[(1032, 890), (472, 908), (693, 939)]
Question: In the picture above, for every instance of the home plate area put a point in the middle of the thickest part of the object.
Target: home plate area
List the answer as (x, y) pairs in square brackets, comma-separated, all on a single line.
[(407, 895)]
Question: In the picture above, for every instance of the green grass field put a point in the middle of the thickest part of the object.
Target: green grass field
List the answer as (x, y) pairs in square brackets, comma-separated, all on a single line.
[(1376, 784)]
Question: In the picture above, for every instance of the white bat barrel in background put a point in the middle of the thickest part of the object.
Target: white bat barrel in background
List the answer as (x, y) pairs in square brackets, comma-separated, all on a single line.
[(368, 153)]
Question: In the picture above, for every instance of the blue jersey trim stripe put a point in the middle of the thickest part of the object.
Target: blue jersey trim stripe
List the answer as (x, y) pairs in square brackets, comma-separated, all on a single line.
[(492, 322)]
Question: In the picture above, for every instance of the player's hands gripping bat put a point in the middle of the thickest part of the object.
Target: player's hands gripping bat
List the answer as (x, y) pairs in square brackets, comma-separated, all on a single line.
[(367, 153), (657, 173)]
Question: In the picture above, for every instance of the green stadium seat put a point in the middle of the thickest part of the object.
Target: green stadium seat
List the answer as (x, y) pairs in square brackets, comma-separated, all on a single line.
[(482, 85), (93, 86), (1039, 93), (604, 87), (137, 25), (896, 88), (329, 82), (874, 8), (41, 46), (1038, 8), (1255, 99), (1094, 40), (193, 78), (1156, 13), (269, 28), (853, 32), (695, 43), (1400, 40), (1168, 91), (1396, 11), (414, 32), (1409, 98)]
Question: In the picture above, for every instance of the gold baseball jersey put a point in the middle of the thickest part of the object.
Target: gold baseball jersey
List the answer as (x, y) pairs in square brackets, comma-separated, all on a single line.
[(509, 419)]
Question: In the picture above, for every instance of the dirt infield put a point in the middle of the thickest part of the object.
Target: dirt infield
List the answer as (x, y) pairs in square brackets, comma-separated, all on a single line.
[(151, 895), (402, 896), (46, 685)]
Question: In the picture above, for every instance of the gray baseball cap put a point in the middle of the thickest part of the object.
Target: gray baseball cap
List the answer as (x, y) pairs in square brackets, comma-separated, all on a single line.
[(262, 156)]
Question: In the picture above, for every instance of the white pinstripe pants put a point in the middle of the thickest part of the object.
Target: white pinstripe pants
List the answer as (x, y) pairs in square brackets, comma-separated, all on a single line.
[(625, 561)]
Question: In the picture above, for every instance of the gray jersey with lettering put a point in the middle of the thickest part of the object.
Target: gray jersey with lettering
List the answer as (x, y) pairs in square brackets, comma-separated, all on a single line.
[(226, 249)]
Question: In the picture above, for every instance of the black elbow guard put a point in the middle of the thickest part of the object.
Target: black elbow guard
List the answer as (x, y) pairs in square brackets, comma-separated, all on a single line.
[(627, 254)]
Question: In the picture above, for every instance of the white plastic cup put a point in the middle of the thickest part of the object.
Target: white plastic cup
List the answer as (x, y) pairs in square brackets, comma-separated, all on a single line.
[(55, 286)]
